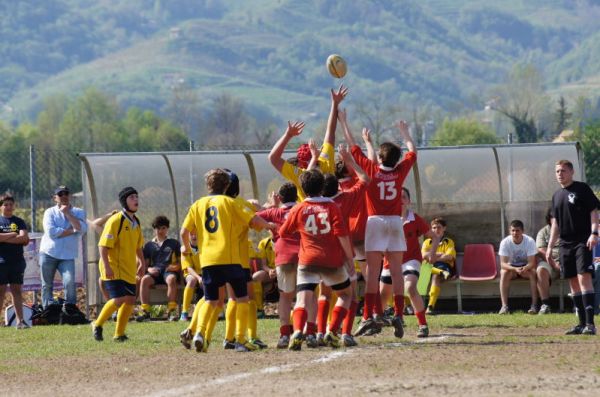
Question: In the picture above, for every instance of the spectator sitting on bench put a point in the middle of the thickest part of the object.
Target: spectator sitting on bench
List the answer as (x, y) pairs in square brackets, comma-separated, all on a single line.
[(442, 260), (264, 273), (161, 255), (517, 259), (546, 272)]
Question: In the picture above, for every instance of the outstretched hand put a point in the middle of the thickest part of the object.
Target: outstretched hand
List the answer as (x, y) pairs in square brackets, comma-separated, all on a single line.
[(295, 128), (343, 151), (366, 135), (339, 95), (403, 127), (314, 150)]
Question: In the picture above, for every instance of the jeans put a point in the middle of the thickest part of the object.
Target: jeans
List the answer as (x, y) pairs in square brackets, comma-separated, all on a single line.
[(66, 267)]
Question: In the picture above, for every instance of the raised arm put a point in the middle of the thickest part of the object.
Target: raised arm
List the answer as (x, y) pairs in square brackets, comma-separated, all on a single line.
[(275, 156), (336, 98), (405, 134), (350, 163), (366, 136), (342, 116), (315, 153)]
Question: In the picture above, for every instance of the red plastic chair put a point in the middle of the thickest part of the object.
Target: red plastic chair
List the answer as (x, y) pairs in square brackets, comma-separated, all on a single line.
[(479, 263)]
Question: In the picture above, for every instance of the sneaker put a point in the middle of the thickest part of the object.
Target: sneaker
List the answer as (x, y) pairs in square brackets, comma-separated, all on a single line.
[(576, 330), (145, 316), (389, 311), (184, 317), (423, 331), (121, 338), (544, 309), (386, 321), (348, 341), (185, 338), (532, 310), (445, 274), (430, 311), (409, 311), (504, 310), (245, 347), (296, 341), (366, 325), (312, 341), (198, 342), (332, 340), (259, 343), (589, 329), (173, 316), (321, 339), (22, 325), (97, 332), (229, 344), (398, 328), (260, 314), (373, 331), (283, 342)]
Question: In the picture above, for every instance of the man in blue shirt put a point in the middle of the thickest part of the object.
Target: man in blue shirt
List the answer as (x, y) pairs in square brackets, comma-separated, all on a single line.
[(63, 227)]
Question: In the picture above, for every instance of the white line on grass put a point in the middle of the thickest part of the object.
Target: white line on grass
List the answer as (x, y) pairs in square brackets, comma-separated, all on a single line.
[(236, 377)]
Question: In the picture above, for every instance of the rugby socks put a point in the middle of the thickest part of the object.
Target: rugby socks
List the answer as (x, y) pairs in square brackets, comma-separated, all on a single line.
[(435, 270), (311, 328), (434, 293), (242, 311), (212, 322), (171, 306), (588, 304), (349, 319), (230, 319), (578, 301), (286, 330), (421, 320), (378, 308), (206, 312), (339, 313), (299, 318), (109, 308), (188, 295), (258, 294), (322, 314), (195, 315), (369, 303), (398, 305), (123, 318), (252, 319)]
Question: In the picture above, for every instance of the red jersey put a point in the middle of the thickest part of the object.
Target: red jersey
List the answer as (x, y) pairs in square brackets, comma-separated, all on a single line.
[(383, 193), (414, 227), (320, 223), (286, 247), (357, 217)]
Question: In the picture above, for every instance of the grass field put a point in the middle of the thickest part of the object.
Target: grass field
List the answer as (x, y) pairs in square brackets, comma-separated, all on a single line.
[(465, 355)]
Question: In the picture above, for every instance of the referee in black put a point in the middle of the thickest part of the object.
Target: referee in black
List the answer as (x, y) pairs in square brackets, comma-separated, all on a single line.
[(575, 221)]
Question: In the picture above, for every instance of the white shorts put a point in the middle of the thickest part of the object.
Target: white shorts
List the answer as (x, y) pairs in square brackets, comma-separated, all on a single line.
[(412, 265), (286, 277), (359, 251), (385, 233), (315, 274)]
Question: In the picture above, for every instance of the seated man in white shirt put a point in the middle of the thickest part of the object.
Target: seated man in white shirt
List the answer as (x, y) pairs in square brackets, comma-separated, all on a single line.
[(517, 259)]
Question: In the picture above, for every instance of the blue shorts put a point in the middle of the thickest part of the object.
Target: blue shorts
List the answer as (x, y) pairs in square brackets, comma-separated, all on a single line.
[(12, 271), (443, 266), (119, 288), (248, 274), (161, 278), (214, 277)]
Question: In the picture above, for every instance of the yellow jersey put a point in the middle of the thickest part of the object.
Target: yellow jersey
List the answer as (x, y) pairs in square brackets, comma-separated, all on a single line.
[(123, 237), (244, 248), (218, 222), (191, 261), (266, 252), (326, 165), (446, 247)]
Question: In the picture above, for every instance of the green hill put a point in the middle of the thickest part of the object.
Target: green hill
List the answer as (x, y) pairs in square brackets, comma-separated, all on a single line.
[(271, 53)]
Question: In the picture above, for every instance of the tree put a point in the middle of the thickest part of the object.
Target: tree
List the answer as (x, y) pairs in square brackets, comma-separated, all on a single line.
[(464, 131), (520, 99), (561, 117), (590, 139), (184, 109), (377, 114)]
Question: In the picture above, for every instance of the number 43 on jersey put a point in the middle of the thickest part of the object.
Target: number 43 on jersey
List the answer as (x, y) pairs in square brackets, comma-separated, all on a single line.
[(317, 224)]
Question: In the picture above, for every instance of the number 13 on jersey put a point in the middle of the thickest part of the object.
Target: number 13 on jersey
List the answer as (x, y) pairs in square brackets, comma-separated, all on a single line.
[(323, 226), (387, 190)]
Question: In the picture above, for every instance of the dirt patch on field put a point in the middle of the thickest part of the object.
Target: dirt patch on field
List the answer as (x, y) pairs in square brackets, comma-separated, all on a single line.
[(467, 362)]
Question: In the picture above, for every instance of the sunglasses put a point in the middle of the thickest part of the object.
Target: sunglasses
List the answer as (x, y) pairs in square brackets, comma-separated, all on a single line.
[(62, 194)]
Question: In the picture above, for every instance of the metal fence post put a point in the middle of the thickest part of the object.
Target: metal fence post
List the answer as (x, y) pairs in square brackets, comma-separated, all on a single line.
[(32, 177), (191, 174)]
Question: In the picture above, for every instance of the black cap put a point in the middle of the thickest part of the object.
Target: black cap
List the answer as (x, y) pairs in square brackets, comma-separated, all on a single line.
[(61, 188)]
